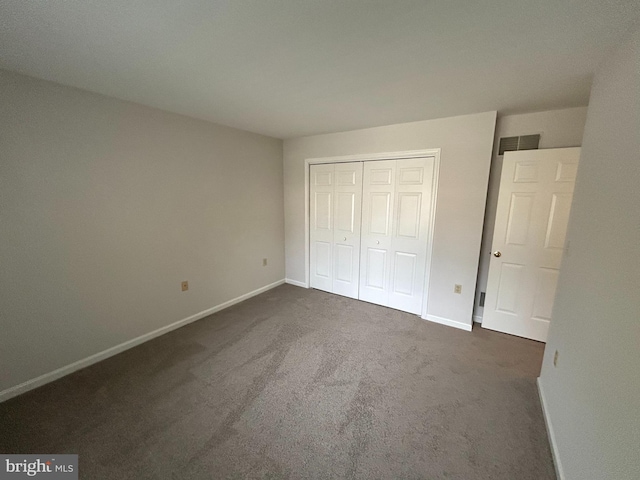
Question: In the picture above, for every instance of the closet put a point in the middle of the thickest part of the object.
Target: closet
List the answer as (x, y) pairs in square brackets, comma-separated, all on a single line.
[(369, 230)]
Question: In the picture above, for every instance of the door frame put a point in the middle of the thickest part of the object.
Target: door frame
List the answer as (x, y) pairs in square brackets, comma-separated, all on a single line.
[(371, 157)]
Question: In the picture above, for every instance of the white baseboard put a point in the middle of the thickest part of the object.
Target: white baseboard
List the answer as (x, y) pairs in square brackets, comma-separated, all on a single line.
[(296, 283), (477, 318), (550, 434), (85, 362), (448, 322)]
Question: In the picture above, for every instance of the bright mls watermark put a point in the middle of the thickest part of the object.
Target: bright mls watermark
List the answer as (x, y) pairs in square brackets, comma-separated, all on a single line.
[(54, 467)]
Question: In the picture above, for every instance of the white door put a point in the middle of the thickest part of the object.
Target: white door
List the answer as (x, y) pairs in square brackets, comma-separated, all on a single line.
[(396, 212), (377, 216), (412, 211), (346, 228), (336, 192), (321, 227), (536, 189)]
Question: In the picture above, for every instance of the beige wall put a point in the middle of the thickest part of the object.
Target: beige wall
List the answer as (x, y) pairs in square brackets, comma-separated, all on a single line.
[(106, 206), (466, 143), (557, 128), (592, 397)]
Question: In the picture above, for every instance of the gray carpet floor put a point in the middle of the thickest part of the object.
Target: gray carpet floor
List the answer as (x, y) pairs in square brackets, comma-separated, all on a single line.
[(292, 384)]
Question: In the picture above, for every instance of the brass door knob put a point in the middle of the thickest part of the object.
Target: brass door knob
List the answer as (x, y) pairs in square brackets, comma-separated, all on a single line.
[(497, 254)]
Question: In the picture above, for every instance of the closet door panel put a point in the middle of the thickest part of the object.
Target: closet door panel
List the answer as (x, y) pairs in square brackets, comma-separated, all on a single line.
[(347, 226), (375, 273), (321, 207), (377, 212), (412, 211), (404, 273)]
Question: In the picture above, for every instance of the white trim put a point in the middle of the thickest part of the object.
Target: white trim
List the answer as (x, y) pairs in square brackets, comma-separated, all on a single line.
[(307, 206), (364, 157), (432, 227), (431, 152), (448, 322), (552, 438), (297, 283), (109, 352), (477, 319)]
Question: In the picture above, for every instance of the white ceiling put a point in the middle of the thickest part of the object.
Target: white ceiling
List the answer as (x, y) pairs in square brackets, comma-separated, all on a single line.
[(287, 68)]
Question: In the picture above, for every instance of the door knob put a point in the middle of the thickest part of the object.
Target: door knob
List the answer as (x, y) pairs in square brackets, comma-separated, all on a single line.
[(344, 239), (377, 242), (497, 254)]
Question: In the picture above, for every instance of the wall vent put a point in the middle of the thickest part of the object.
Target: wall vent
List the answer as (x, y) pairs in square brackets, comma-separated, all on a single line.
[(524, 142)]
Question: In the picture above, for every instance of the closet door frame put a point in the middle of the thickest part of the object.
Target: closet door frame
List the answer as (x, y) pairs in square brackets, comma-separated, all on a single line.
[(433, 152)]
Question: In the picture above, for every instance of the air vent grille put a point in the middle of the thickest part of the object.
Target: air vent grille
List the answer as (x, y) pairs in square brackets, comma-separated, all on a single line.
[(508, 144), (529, 142), (524, 142)]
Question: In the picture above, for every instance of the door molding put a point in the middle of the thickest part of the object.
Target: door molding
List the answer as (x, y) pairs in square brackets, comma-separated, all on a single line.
[(369, 157)]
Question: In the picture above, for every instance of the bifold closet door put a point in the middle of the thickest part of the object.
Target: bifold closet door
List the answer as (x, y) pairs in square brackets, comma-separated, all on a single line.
[(396, 209), (346, 228), (321, 227), (377, 212), (336, 206)]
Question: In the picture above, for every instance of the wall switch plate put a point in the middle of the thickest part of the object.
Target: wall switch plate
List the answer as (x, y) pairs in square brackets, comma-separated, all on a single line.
[(264, 262), (457, 288), (185, 286)]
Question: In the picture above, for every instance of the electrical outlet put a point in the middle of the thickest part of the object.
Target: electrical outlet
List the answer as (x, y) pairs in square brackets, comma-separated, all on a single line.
[(555, 359), (264, 262), (457, 288), (185, 286)]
